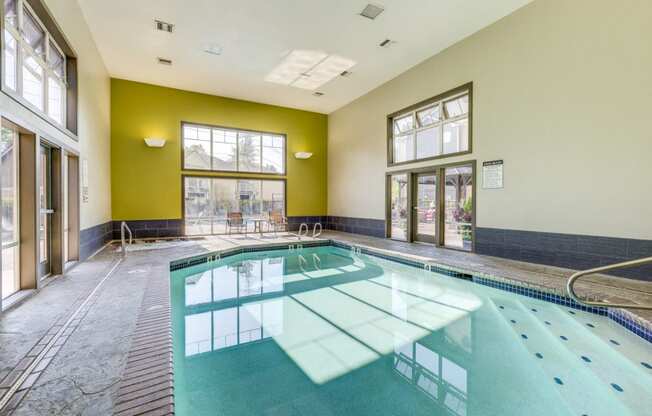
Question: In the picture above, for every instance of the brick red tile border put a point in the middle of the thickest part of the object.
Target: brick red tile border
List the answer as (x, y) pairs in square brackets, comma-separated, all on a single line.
[(147, 385)]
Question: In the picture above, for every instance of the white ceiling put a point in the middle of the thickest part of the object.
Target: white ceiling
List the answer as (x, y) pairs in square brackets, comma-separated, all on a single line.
[(256, 34)]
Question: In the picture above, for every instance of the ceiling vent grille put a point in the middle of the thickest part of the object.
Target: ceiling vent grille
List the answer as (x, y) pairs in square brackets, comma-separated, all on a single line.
[(371, 11), (164, 61), (164, 26)]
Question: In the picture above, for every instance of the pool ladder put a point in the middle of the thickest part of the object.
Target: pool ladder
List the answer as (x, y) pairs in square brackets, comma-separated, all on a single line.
[(123, 227), (573, 279), (315, 232)]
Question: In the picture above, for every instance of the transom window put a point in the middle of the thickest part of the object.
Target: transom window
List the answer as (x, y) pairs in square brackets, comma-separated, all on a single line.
[(34, 66), (221, 149), (439, 127)]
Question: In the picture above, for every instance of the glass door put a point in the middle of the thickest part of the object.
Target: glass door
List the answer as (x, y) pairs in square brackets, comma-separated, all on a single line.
[(399, 208), (46, 211), (9, 195), (424, 210), (458, 215)]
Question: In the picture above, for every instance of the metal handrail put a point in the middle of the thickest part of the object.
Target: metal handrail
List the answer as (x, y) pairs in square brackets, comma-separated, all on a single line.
[(299, 234), (631, 263), (124, 226), (316, 234)]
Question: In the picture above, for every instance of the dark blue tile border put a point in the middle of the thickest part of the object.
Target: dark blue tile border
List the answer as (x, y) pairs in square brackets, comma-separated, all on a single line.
[(570, 251), (93, 238), (151, 228), (619, 316)]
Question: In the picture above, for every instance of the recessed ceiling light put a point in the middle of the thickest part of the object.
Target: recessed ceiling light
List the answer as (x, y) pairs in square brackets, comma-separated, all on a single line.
[(164, 61), (308, 69), (371, 11), (213, 49), (164, 26)]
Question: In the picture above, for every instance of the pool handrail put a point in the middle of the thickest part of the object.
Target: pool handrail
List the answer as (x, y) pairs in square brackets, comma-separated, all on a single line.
[(575, 276), (123, 227)]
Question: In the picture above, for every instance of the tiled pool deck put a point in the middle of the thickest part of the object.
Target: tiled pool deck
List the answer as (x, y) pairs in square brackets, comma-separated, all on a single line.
[(115, 356)]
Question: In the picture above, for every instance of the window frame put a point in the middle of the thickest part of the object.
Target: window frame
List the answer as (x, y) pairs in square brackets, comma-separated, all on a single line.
[(67, 82), (232, 177), (440, 99), (237, 130)]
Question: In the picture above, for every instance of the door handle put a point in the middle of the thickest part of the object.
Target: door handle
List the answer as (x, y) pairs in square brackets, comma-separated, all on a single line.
[(47, 211)]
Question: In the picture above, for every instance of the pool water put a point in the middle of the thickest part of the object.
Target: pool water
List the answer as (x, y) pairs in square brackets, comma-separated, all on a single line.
[(324, 331)]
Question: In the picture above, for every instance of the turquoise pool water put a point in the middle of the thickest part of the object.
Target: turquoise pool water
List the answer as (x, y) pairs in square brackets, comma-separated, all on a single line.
[(323, 331)]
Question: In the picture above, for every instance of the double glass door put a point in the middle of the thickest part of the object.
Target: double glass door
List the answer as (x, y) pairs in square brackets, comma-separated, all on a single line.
[(433, 206), (46, 211)]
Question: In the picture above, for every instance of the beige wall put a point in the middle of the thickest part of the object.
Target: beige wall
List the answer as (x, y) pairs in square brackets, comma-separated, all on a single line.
[(94, 129), (563, 93)]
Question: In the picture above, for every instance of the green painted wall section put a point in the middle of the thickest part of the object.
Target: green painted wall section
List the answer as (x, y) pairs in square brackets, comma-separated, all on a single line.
[(146, 182)]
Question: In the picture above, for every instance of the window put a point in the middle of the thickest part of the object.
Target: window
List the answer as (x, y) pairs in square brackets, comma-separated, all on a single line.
[(436, 128), (209, 200), (9, 206), (231, 150), (34, 66)]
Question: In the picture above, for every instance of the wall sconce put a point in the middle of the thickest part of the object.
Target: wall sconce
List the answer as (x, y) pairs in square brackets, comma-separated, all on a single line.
[(302, 155), (154, 142)]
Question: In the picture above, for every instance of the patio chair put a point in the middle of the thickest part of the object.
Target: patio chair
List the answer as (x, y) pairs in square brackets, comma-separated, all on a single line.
[(277, 221), (235, 221)]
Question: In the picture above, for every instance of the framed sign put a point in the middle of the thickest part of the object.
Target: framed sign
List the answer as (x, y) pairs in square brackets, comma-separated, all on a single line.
[(492, 174)]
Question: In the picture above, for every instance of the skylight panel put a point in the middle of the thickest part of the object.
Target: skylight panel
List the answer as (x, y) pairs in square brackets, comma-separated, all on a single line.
[(309, 69)]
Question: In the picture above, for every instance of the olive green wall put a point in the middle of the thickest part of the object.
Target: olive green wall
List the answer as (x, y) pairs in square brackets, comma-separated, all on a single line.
[(146, 182)]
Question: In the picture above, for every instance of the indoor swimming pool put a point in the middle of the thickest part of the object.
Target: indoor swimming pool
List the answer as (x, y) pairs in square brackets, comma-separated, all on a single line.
[(326, 331)]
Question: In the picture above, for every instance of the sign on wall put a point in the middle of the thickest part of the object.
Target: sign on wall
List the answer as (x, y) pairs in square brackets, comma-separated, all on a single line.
[(492, 174), (84, 181)]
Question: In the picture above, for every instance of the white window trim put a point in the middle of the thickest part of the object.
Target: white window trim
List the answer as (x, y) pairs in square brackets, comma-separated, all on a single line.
[(48, 73), (438, 125)]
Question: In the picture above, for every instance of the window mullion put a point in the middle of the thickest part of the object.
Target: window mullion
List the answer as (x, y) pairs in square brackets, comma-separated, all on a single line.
[(211, 152)]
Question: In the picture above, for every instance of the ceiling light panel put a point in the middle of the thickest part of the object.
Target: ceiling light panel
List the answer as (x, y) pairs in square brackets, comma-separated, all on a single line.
[(309, 69)]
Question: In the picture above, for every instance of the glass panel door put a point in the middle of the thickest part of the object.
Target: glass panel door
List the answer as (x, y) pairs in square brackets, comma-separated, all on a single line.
[(425, 209), (399, 206), (458, 215), (46, 211), (9, 179)]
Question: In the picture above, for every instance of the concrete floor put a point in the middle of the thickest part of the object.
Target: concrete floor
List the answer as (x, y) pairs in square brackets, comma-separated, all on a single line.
[(82, 377)]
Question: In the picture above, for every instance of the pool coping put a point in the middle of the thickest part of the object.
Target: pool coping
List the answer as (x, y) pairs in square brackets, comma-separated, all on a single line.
[(147, 383)]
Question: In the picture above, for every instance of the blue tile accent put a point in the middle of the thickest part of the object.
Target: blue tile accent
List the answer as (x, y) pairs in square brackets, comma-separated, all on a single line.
[(523, 336), (646, 365), (590, 325), (614, 342), (94, 238), (565, 250), (585, 358), (617, 387), (512, 321), (563, 337), (547, 323), (151, 228), (558, 381), (539, 355)]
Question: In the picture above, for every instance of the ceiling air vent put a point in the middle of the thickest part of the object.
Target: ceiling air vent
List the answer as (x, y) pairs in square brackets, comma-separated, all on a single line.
[(371, 11), (317, 94), (164, 26), (164, 61)]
